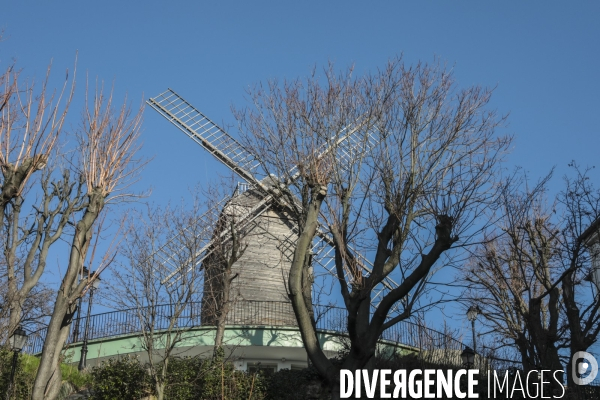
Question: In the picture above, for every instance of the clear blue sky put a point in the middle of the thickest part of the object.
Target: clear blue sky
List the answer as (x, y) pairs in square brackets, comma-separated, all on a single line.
[(542, 56)]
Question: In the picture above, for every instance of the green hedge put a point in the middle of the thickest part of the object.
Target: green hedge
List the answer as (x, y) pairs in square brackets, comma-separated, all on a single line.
[(188, 378), (120, 378), (27, 366), (193, 378), (24, 374)]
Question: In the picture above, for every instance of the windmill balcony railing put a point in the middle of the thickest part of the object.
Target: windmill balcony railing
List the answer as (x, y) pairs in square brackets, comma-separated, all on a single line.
[(249, 313)]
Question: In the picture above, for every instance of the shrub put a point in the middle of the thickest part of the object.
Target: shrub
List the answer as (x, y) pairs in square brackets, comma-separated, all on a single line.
[(72, 375), (27, 366), (220, 380), (295, 385), (187, 379), (24, 374), (119, 378), (184, 380)]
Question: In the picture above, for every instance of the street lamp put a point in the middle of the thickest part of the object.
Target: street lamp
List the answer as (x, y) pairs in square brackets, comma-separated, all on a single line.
[(472, 316), (84, 349), (468, 357), (84, 272), (17, 341)]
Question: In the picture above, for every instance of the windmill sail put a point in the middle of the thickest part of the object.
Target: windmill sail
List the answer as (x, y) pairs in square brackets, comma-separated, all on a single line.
[(348, 144)]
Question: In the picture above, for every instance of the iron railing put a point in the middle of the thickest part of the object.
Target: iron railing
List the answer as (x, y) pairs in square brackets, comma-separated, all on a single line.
[(431, 343)]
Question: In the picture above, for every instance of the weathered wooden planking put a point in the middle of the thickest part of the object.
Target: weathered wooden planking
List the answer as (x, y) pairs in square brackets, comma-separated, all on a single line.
[(261, 272)]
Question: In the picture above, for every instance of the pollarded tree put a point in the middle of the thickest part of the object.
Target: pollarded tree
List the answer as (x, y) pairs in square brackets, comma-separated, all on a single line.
[(579, 254), (536, 280), (514, 278), (31, 121), (107, 142), (421, 169)]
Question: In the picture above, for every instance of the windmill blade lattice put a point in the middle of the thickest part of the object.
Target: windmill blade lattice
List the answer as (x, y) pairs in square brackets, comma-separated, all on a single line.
[(172, 252), (244, 220), (206, 133)]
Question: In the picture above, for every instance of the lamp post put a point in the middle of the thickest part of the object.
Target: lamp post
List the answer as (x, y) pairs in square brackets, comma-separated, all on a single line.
[(472, 316), (84, 272), (468, 357), (17, 341), (84, 346)]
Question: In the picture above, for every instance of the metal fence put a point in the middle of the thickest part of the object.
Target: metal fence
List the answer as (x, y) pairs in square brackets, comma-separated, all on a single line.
[(432, 344)]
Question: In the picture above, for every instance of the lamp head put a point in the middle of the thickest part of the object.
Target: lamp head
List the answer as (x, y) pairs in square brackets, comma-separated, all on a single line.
[(472, 313), (18, 339), (95, 282), (468, 356)]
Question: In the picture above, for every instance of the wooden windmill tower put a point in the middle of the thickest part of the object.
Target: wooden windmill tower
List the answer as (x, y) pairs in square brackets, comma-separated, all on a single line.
[(256, 283), (264, 217)]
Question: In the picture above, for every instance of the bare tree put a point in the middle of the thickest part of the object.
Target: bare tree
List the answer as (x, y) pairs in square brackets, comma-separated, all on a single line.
[(418, 173), (21, 115), (105, 165), (164, 306), (579, 253), (35, 308), (513, 278), (228, 245), (31, 122), (162, 282), (536, 280)]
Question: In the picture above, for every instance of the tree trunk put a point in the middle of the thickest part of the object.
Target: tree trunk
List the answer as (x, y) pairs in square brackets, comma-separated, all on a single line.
[(578, 337), (16, 310), (223, 300), (543, 337), (335, 391), (220, 333), (48, 375), (160, 391), (10, 248), (302, 310), (44, 386), (222, 309)]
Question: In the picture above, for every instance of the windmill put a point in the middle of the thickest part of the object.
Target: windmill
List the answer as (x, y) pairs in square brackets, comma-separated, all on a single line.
[(259, 208)]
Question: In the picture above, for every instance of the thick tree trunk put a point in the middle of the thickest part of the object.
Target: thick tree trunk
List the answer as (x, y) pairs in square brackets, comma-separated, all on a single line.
[(48, 375), (544, 337), (297, 296), (10, 248)]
